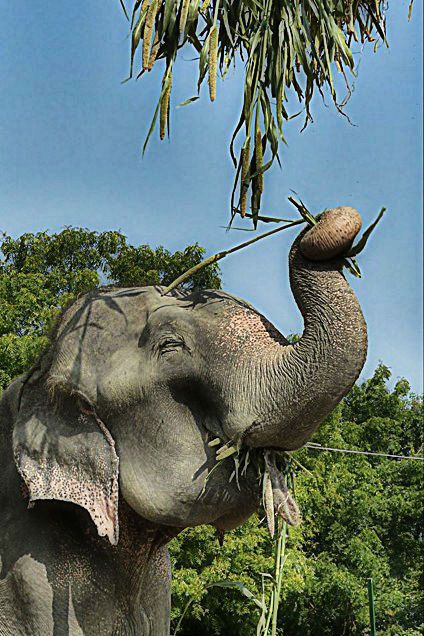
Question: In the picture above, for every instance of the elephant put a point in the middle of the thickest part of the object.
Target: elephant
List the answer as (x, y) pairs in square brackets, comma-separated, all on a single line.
[(105, 443)]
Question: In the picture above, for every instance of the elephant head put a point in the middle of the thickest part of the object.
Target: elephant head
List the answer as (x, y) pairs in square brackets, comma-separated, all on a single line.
[(137, 384)]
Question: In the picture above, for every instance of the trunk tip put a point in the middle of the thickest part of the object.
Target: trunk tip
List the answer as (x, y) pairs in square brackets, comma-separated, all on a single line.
[(333, 235)]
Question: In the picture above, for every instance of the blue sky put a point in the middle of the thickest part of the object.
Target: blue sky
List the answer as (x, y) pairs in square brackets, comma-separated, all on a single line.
[(71, 136)]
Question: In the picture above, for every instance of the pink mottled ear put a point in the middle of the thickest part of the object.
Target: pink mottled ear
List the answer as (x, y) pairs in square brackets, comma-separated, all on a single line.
[(66, 453)]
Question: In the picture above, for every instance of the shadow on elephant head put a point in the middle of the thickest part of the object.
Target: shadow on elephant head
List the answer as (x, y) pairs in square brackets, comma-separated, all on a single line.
[(137, 384)]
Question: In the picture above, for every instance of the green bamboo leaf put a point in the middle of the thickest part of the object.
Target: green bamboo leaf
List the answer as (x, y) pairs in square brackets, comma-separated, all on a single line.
[(237, 585), (151, 127), (303, 211), (193, 16), (343, 47), (124, 9), (189, 101), (253, 5), (224, 452), (246, 462), (136, 36), (357, 249), (224, 16), (203, 62), (134, 11), (353, 267), (377, 24), (236, 470), (166, 80), (170, 8), (270, 219)]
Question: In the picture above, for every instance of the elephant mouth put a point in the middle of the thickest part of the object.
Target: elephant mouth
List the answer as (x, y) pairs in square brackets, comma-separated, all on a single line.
[(214, 428), (203, 409), (256, 430)]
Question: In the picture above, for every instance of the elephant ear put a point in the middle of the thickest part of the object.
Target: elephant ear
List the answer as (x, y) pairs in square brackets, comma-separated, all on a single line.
[(66, 453)]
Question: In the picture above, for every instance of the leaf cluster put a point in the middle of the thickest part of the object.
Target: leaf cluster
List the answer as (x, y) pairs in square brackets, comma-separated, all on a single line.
[(287, 48)]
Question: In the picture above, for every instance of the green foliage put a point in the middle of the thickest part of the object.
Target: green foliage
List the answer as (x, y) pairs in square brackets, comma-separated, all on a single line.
[(246, 552), (362, 518), (287, 49), (41, 273), (136, 266)]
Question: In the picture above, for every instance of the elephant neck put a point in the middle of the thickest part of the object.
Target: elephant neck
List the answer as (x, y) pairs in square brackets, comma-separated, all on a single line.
[(142, 572), (70, 580), (89, 586), (125, 589)]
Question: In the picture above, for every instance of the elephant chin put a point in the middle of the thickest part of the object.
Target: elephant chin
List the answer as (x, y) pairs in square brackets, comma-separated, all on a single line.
[(183, 514), (237, 518)]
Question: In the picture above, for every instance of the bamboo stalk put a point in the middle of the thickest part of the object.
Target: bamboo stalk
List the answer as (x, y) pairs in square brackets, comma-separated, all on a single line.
[(280, 560), (220, 255)]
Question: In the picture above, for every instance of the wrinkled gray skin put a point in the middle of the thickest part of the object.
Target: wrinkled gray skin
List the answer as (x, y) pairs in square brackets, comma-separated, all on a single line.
[(119, 412)]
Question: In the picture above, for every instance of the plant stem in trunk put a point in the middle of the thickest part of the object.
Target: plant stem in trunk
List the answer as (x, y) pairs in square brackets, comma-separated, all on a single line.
[(279, 565)]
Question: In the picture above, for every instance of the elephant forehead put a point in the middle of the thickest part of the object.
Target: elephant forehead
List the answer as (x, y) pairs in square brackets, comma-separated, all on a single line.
[(91, 331), (92, 316), (243, 327)]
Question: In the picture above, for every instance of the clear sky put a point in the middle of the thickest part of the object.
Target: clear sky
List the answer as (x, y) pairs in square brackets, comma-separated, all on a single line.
[(71, 136)]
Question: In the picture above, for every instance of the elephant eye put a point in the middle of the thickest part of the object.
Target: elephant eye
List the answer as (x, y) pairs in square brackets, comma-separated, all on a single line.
[(170, 344)]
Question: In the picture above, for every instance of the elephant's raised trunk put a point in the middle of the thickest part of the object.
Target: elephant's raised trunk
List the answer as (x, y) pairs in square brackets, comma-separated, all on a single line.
[(315, 373)]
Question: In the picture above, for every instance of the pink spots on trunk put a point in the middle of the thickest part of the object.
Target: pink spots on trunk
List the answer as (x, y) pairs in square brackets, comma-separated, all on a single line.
[(242, 330)]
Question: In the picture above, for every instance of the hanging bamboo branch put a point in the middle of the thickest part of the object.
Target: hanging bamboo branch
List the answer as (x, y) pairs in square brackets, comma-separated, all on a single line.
[(286, 47)]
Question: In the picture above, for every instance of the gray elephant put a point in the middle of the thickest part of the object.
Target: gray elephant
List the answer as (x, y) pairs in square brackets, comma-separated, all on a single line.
[(105, 443)]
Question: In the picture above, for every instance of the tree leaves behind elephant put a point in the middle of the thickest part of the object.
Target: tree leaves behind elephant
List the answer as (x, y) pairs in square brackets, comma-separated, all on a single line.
[(362, 518), (40, 273)]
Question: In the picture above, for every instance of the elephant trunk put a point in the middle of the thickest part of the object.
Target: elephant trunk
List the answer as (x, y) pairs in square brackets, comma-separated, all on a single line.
[(313, 375)]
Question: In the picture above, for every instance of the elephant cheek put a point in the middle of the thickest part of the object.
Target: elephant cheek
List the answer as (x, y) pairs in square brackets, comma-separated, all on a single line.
[(159, 491)]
